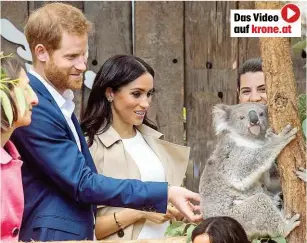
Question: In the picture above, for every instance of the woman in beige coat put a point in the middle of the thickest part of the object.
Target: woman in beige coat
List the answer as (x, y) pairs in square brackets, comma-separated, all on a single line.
[(125, 144)]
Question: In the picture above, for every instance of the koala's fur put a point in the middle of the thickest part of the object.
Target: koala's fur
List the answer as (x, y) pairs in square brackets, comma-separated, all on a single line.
[(232, 181)]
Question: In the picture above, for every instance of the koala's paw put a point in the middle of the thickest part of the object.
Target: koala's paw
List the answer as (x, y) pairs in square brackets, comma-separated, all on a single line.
[(278, 200), (269, 133), (291, 224), (288, 132), (302, 174)]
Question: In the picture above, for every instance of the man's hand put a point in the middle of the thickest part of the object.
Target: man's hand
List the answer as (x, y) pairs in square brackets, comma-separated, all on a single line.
[(181, 198)]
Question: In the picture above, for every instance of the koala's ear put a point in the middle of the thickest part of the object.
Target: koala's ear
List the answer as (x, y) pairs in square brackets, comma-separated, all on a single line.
[(220, 116)]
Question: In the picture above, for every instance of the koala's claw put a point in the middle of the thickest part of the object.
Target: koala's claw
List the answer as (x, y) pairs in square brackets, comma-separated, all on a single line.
[(278, 200), (302, 174), (288, 131), (269, 133), (291, 224)]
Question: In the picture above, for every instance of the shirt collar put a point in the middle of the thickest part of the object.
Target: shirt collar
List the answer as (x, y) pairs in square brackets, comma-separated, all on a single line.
[(67, 95), (12, 153)]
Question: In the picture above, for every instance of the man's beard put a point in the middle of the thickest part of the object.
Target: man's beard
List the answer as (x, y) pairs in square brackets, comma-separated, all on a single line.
[(60, 79)]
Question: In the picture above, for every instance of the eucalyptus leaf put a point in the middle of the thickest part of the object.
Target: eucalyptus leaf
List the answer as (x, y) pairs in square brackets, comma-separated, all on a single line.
[(301, 104), (175, 229), (280, 240), (7, 107), (20, 100), (300, 45), (269, 240), (255, 241), (31, 91), (189, 233), (2, 73), (304, 127)]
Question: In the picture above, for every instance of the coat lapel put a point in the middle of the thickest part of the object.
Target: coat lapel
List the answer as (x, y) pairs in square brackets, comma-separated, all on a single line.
[(84, 147), (40, 88), (173, 157)]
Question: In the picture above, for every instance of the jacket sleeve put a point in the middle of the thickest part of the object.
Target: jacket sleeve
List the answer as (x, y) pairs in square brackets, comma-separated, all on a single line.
[(46, 145)]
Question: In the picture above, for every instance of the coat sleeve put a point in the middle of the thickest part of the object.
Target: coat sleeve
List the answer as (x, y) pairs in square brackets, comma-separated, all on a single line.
[(46, 145)]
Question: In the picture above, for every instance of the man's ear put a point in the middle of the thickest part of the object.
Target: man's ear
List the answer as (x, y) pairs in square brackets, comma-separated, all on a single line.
[(41, 53), (220, 116)]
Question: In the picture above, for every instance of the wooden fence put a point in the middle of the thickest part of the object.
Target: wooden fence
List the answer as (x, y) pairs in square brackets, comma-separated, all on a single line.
[(189, 46)]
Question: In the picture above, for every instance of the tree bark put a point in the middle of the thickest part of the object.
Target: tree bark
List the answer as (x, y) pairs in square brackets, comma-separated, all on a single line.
[(282, 106)]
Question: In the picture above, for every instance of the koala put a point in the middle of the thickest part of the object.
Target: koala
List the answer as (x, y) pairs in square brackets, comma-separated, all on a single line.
[(232, 182)]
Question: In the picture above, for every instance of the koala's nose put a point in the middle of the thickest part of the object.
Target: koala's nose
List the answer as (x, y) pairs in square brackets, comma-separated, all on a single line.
[(253, 117)]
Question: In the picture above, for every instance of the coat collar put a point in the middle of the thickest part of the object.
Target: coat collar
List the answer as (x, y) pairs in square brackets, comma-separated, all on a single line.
[(10, 154), (110, 136), (40, 87)]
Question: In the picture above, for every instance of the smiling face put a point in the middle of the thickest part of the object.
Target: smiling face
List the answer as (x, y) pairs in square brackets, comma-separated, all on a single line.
[(131, 102), (252, 88), (31, 100), (66, 65)]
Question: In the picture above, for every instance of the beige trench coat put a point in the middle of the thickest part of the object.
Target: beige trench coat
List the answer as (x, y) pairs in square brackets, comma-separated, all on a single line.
[(111, 160)]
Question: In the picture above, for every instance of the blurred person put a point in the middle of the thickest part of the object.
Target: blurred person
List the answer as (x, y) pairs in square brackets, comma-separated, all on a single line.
[(13, 116), (219, 230)]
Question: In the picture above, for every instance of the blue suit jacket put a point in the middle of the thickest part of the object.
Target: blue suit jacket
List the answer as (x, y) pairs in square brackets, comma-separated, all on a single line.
[(61, 185)]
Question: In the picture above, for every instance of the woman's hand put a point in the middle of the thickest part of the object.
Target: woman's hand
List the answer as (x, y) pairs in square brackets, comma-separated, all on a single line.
[(158, 218), (175, 212)]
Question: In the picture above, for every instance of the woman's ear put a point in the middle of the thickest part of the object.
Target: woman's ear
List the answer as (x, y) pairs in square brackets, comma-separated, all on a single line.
[(109, 94)]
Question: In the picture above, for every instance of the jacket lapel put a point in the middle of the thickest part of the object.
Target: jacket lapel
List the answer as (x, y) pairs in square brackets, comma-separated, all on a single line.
[(122, 161), (84, 146), (173, 157), (40, 88)]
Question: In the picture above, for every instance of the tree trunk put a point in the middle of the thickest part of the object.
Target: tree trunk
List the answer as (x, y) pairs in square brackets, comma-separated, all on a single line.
[(282, 105)]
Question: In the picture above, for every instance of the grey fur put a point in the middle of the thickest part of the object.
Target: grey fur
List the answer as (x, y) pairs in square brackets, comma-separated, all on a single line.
[(232, 182)]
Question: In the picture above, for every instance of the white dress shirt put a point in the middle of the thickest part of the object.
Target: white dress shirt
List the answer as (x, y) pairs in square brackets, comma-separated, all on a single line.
[(64, 101)]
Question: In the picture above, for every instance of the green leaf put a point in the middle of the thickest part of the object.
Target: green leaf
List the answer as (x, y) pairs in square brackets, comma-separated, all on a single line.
[(301, 104), (189, 232), (264, 240), (255, 241), (300, 45), (20, 100), (304, 127), (175, 229), (31, 91), (280, 240), (2, 73), (7, 107)]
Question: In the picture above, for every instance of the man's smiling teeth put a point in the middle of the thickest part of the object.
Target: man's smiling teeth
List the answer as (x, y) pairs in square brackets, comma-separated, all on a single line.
[(141, 113)]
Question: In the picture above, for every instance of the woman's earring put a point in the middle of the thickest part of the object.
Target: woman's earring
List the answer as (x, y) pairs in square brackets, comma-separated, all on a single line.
[(110, 99)]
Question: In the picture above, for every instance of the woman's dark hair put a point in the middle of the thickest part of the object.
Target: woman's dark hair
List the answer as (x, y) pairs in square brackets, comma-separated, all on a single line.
[(221, 230), (251, 65), (115, 73)]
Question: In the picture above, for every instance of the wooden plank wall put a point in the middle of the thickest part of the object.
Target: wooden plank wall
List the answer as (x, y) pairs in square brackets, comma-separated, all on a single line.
[(159, 41), (189, 46), (210, 53)]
